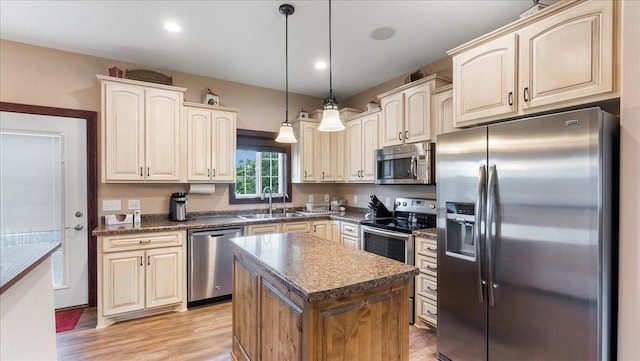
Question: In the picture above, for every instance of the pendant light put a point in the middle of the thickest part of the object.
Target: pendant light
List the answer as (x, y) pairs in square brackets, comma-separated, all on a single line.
[(286, 130), (330, 116)]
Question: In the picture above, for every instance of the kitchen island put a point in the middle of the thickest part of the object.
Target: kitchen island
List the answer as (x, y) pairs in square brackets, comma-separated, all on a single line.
[(299, 297)]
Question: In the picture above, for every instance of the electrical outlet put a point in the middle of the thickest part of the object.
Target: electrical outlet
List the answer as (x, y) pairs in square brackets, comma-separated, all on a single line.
[(326, 198), (111, 205), (355, 199), (387, 202), (135, 203), (310, 198)]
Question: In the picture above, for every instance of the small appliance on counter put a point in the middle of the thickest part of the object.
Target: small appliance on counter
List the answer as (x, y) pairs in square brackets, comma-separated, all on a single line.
[(178, 207)]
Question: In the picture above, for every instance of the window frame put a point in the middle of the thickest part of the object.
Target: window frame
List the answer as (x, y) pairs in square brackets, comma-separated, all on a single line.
[(260, 140)]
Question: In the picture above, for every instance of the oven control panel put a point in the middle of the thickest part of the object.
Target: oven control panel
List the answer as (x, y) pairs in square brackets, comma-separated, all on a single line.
[(415, 205)]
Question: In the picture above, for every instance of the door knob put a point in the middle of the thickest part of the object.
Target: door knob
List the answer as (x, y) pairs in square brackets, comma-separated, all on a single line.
[(78, 214), (78, 227)]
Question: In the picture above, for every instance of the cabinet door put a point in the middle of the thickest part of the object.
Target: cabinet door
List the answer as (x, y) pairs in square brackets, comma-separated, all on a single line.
[(245, 305), (350, 241), (262, 228), (327, 156), (123, 133), (335, 231), (224, 146), (198, 144), (321, 229), (392, 120), (123, 282), (417, 113), (164, 276), (354, 149), (337, 152), (485, 81), (162, 130), (568, 56), (443, 112), (369, 145), (290, 227)]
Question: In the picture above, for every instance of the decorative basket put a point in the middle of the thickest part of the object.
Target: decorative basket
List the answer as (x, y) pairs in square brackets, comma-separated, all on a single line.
[(149, 76)]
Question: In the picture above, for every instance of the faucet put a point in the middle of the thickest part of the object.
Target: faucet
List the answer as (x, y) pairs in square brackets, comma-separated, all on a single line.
[(284, 203), (265, 190)]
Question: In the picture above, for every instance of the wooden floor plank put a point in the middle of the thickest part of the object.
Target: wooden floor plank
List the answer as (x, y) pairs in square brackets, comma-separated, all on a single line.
[(201, 333)]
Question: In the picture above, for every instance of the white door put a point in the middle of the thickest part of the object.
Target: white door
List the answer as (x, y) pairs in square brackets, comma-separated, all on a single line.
[(44, 176)]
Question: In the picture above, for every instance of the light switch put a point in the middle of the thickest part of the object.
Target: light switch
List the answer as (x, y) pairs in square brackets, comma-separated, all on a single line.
[(135, 203), (310, 198), (111, 205)]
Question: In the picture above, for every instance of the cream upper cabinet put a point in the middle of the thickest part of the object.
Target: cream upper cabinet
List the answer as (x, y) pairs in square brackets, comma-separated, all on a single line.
[(406, 112), (442, 110), (330, 154), (362, 140), (485, 82), (560, 57), (211, 143), (305, 155), (140, 124)]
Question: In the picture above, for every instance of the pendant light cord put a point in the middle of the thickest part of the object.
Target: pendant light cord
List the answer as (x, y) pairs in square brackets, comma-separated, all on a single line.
[(286, 72), (330, 65)]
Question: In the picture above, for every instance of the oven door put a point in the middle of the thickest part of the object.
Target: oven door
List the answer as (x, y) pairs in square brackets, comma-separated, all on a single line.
[(390, 244)]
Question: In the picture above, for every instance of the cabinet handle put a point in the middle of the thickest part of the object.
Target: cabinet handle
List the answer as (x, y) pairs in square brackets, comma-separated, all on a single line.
[(148, 171), (314, 228), (140, 171), (432, 268), (432, 313), (141, 260), (431, 289), (145, 241), (214, 172), (526, 94), (322, 178), (208, 172), (305, 174), (510, 98), (148, 260), (406, 134), (431, 249), (400, 136)]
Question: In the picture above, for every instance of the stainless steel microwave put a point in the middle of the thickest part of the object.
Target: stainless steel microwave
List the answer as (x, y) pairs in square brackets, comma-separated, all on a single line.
[(406, 164)]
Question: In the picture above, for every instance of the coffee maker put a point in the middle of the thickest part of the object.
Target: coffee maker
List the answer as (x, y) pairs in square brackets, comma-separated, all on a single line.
[(178, 207)]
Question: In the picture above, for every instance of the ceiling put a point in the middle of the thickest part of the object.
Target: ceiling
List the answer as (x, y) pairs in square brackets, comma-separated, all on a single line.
[(244, 41)]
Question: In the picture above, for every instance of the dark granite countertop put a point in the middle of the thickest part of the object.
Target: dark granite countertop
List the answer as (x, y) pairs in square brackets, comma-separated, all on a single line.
[(427, 232), (318, 269), (17, 261), (160, 223)]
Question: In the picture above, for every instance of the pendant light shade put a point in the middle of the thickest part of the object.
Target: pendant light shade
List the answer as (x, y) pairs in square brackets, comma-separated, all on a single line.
[(286, 130), (330, 116)]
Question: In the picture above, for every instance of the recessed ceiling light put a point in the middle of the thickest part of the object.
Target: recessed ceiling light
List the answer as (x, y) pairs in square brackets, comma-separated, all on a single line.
[(172, 27), (321, 65), (383, 33)]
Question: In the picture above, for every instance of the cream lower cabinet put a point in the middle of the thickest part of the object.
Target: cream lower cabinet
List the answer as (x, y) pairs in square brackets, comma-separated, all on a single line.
[(350, 234), (564, 56), (140, 275), (336, 231), (321, 229), (263, 228), (406, 112), (426, 283), (290, 227), (140, 127), (362, 140), (211, 143)]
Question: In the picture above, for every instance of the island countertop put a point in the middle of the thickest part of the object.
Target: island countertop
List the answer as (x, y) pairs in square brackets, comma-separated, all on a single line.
[(316, 268)]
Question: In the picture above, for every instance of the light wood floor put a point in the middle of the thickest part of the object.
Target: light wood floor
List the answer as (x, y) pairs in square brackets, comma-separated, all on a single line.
[(202, 333)]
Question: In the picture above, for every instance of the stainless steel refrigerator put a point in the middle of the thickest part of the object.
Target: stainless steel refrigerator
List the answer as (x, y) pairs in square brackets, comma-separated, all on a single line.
[(526, 234)]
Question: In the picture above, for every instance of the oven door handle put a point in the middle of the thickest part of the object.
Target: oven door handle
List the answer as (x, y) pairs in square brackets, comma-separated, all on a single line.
[(376, 231)]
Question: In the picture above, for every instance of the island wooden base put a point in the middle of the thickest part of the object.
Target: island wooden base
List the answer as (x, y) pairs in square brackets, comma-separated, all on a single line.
[(271, 322)]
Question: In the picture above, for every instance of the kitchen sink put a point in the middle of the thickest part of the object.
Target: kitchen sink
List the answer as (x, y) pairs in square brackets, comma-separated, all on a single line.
[(269, 216)]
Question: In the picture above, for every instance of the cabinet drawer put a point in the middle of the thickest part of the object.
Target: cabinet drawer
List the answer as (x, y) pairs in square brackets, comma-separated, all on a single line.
[(427, 286), (290, 227), (427, 247), (427, 265), (350, 241), (427, 310), (351, 229), (141, 241)]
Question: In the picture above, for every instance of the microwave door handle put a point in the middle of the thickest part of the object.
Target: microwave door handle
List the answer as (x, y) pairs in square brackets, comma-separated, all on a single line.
[(414, 166)]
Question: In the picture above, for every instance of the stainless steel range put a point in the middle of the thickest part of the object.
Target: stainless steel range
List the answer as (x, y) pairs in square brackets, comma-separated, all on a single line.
[(392, 237)]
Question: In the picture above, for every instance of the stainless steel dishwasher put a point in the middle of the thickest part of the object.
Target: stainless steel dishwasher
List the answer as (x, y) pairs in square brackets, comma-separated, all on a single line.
[(209, 263)]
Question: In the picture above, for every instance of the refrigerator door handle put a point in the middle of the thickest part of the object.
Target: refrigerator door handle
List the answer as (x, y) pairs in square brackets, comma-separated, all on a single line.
[(480, 205), (491, 209)]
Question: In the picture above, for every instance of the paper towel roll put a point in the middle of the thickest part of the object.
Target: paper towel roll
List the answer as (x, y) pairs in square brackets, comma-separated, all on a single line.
[(199, 188)]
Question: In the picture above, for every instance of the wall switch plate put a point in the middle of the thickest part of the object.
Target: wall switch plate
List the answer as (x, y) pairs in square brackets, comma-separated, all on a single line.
[(111, 205), (135, 203), (326, 198), (355, 199), (387, 202), (310, 198)]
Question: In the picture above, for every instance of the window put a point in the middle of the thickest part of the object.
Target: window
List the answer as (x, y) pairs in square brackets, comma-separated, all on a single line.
[(260, 163)]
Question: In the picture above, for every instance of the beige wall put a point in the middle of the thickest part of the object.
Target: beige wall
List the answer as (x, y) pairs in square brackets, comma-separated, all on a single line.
[(629, 257)]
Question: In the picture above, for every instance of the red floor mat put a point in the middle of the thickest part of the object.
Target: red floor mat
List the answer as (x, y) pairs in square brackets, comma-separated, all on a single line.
[(66, 320)]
